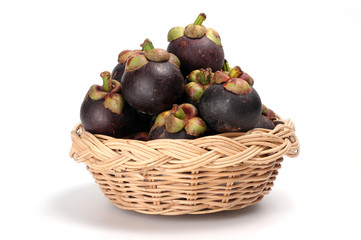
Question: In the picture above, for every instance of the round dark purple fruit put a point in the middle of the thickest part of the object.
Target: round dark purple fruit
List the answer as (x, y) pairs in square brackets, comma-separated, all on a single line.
[(181, 122), (200, 79), (152, 81), (104, 110), (197, 81), (265, 122), (196, 46), (269, 113), (123, 56), (230, 106), (140, 136)]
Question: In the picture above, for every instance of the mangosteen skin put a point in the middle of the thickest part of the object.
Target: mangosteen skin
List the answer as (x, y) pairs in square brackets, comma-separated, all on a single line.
[(97, 119), (225, 111), (153, 88), (265, 122), (197, 53), (118, 71), (160, 132)]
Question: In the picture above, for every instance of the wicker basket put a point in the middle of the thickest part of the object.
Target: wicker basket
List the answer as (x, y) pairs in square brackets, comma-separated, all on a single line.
[(173, 177)]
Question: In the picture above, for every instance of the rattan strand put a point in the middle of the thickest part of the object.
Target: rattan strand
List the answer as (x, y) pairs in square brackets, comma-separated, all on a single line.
[(173, 177)]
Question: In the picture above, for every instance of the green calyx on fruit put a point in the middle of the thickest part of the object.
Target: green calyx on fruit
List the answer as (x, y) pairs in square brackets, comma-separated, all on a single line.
[(181, 117), (195, 126), (148, 53), (124, 55), (213, 36), (175, 33), (154, 54), (202, 76), (159, 120), (175, 120), (157, 55), (174, 60), (173, 124), (96, 93), (194, 76), (135, 62), (248, 78), (189, 110), (237, 72), (220, 77), (238, 86), (194, 90), (199, 79), (269, 113), (196, 30), (113, 100)]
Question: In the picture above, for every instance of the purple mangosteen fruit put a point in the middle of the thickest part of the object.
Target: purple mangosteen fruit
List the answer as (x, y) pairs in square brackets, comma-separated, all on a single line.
[(265, 122), (141, 136), (181, 122), (104, 110), (200, 79), (231, 104), (152, 81), (196, 46), (269, 113), (123, 56), (236, 72)]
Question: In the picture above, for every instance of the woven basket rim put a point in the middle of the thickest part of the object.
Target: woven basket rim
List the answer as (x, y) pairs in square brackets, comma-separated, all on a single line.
[(86, 144), (79, 128)]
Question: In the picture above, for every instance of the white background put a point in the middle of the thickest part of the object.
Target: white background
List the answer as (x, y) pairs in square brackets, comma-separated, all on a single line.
[(305, 57)]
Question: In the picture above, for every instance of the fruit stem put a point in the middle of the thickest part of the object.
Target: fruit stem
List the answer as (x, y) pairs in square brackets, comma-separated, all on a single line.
[(226, 66), (147, 45), (235, 72), (107, 82), (204, 80), (201, 17)]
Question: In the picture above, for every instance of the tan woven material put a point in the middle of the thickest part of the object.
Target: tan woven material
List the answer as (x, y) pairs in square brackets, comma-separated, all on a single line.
[(173, 177)]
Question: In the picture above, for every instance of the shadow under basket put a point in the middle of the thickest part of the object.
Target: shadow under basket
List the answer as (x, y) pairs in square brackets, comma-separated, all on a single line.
[(173, 177)]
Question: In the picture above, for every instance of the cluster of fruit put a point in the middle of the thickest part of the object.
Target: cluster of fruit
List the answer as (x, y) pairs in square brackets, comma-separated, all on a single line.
[(187, 91)]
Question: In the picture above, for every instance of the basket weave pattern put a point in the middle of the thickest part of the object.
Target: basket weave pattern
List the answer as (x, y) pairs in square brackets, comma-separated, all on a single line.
[(173, 177)]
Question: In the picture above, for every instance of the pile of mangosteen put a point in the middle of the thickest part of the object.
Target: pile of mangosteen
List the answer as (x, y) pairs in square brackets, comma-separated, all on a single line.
[(184, 92)]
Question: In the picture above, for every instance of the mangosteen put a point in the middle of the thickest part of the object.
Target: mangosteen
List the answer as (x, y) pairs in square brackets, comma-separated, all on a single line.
[(230, 105), (123, 56), (104, 110), (269, 113), (181, 122), (198, 81), (265, 122), (152, 81), (236, 72), (141, 136), (196, 46)]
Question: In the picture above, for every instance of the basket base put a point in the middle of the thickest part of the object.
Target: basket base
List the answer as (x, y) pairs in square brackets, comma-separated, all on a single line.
[(199, 192)]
